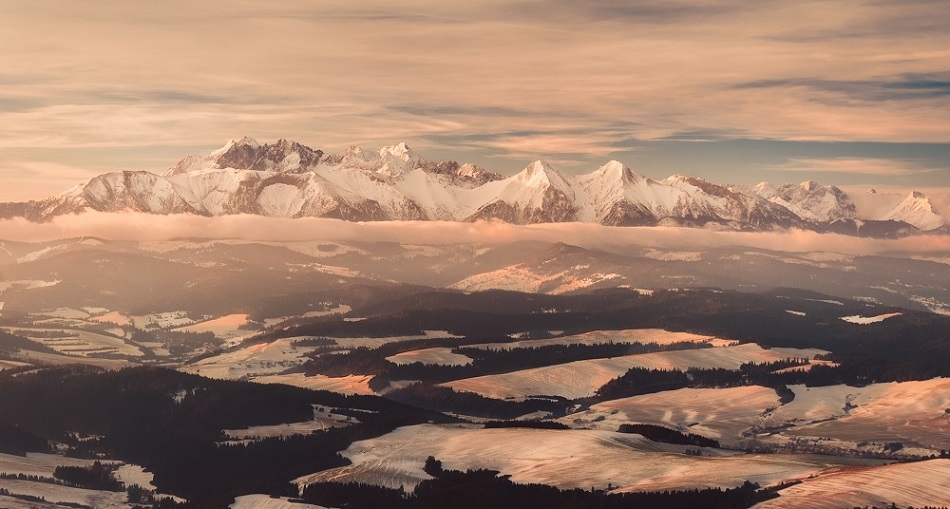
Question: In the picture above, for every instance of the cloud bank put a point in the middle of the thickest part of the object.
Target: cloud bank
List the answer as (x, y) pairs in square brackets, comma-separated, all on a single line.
[(146, 227)]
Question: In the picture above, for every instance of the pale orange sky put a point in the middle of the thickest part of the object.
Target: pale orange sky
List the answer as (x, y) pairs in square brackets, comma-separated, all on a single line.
[(846, 92)]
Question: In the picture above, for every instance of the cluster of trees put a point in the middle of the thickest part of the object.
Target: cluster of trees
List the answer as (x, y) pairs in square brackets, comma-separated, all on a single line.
[(14, 440), (31, 477), (98, 476), (178, 343), (637, 381), (314, 342), (667, 435)]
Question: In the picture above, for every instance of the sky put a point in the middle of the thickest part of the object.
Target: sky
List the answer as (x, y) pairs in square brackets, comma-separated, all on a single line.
[(854, 93)]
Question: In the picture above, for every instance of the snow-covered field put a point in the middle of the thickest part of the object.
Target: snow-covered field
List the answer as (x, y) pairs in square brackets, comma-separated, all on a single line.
[(913, 413), (599, 337), (323, 418), (272, 359), (30, 284), (77, 342), (65, 494), (352, 384), (442, 356), (129, 474), (367, 342), (65, 313), (918, 484), (43, 465), (224, 327), (253, 360), (11, 364), (519, 278), (722, 414), (268, 502), (342, 309), (34, 357), (562, 458), (582, 378), (671, 256), (37, 464), (164, 320), (858, 418), (865, 320), (15, 503), (112, 317)]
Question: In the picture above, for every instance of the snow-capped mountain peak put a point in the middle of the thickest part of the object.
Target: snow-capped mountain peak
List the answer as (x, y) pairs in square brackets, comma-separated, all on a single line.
[(615, 171), (389, 161), (764, 189), (536, 170), (236, 153), (398, 159), (541, 175), (248, 154), (246, 141), (917, 210), (399, 151), (468, 170)]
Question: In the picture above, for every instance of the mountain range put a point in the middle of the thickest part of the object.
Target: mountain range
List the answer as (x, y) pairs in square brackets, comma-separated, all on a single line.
[(289, 179)]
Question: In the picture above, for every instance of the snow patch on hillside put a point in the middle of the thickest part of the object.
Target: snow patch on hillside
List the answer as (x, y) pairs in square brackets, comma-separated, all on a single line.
[(918, 484), (269, 502), (581, 379), (865, 320), (350, 384), (430, 356)]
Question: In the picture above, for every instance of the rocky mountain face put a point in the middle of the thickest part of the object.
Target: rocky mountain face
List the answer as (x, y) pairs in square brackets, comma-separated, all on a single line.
[(288, 179)]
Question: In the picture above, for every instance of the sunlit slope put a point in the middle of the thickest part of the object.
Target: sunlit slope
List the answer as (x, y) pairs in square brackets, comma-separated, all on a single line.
[(582, 378), (919, 484), (561, 458)]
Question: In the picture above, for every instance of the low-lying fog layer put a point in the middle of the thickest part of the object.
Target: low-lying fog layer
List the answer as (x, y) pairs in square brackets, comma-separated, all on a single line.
[(149, 227)]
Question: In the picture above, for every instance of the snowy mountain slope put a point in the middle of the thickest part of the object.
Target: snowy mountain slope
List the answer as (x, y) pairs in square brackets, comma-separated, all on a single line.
[(288, 179), (616, 195), (702, 200), (917, 210), (246, 153), (539, 194), (808, 200)]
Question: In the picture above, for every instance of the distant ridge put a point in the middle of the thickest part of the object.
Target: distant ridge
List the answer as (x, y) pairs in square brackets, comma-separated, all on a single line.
[(289, 179)]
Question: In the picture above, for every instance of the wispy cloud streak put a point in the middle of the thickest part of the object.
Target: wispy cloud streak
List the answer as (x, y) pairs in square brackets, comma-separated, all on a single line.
[(858, 165)]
